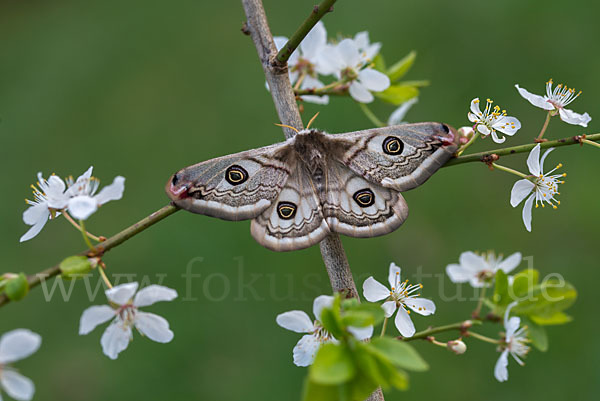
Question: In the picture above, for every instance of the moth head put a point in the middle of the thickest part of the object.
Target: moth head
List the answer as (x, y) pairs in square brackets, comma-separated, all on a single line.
[(177, 187), (447, 135)]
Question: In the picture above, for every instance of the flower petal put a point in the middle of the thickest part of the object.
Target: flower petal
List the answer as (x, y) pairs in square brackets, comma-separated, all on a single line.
[(320, 302), (398, 115), (121, 294), (16, 385), (153, 326), (496, 138), (510, 263), (403, 323), (483, 129), (18, 344), (111, 192), (569, 116), (501, 368), (507, 125), (35, 216), (360, 93), (536, 100), (348, 53), (422, 306), (93, 316), (305, 350), (458, 274), (472, 262), (475, 108), (82, 206), (314, 42), (520, 190), (152, 294), (546, 153), (374, 291), (394, 275), (389, 308), (361, 333), (472, 117), (55, 192), (527, 212), (115, 339), (295, 320), (374, 80), (533, 161)]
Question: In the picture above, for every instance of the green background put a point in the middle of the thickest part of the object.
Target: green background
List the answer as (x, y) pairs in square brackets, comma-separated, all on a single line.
[(143, 88)]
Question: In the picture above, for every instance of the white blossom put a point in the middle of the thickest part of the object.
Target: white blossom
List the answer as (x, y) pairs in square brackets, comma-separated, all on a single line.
[(515, 343), (397, 116), (479, 270), (14, 346), (540, 187), (307, 61), (83, 200), (400, 296), (491, 120), (555, 100), (298, 321), (48, 199), (348, 61), (124, 310)]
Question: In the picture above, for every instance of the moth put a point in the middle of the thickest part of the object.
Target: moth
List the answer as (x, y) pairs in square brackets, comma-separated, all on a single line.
[(298, 191)]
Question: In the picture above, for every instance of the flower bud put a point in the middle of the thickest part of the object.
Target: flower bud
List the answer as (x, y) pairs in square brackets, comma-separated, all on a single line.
[(457, 346), (17, 287), (465, 134), (76, 266)]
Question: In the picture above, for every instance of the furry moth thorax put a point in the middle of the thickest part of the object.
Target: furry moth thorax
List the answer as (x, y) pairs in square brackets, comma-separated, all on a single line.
[(298, 191)]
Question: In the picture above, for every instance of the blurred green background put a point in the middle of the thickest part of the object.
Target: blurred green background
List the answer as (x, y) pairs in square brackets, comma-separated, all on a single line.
[(143, 88)]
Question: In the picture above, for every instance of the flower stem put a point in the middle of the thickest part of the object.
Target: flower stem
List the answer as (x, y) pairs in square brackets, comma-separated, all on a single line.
[(479, 303), (101, 268), (466, 145), (112, 242), (591, 143), (385, 322), (461, 326), (329, 89), (548, 116), (483, 338), (74, 223), (85, 236), (316, 14), (484, 156), (509, 170), (370, 115)]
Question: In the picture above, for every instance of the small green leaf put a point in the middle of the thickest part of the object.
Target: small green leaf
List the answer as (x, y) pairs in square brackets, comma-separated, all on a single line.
[(375, 310), (75, 267), (357, 319), (332, 322), (537, 335), (555, 319), (379, 63), (523, 282), (398, 94), (370, 365), (400, 353), (401, 67), (333, 365), (501, 296), (547, 298), (17, 288)]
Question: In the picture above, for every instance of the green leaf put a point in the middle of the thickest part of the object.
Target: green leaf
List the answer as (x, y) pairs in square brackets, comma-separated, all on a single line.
[(401, 67), (357, 319), (523, 282), (398, 94), (320, 392), (17, 288), (375, 310), (416, 83), (333, 365), (547, 298), (332, 320), (379, 63), (555, 319), (369, 364), (537, 335), (501, 296), (401, 354), (75, 267)]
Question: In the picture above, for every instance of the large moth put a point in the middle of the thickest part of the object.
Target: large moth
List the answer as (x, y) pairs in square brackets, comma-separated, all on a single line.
[(298, 191)]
